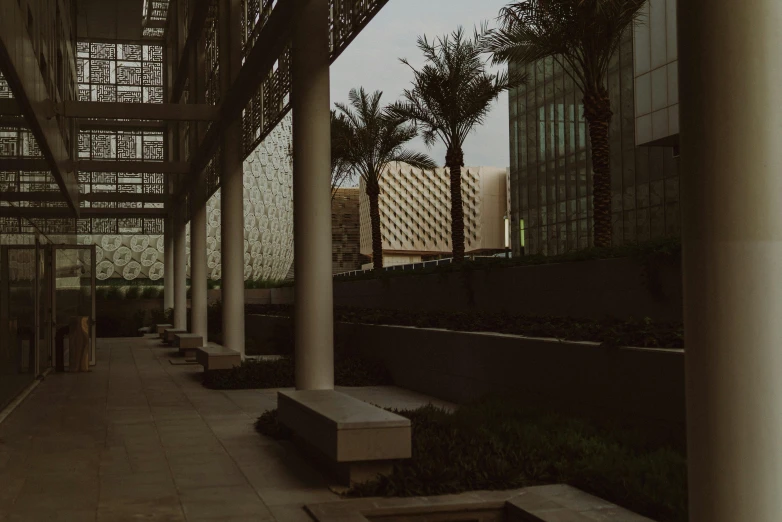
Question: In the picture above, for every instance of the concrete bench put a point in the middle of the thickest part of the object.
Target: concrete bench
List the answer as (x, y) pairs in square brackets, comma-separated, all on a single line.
[(188, 342), (353, 439), (170, 334), (215, 357), (161, 329)]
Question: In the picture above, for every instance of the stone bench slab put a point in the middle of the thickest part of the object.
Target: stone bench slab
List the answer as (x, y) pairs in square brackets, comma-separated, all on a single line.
[(216, 357), (188, 341), (161, 329), (352, 438), (170, 334)]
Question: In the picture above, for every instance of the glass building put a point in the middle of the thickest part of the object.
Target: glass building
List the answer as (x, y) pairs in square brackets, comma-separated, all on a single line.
[(551, 170)]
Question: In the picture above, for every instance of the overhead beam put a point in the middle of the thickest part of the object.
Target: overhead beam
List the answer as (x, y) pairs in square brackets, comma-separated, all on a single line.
[(140, 111), (130, 167), (23, 73), (64, 213), (135, 167), (94, 197), (200, 13)]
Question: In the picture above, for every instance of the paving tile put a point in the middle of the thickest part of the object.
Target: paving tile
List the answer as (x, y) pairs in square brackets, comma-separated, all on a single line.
[(223, 503)]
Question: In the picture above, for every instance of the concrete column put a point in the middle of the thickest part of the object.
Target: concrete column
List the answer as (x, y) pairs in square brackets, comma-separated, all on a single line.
[(180, 269), (730, 74), (310, 98), (198, 273), (232, 189), (168, 262)]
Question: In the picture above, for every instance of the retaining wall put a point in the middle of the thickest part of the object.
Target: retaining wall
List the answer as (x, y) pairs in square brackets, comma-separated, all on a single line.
[(595, 289), (642, 388)]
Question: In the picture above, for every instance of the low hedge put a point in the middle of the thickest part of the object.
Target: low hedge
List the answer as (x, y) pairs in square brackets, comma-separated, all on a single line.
[(349, 370), (644, 333), (494, 446)]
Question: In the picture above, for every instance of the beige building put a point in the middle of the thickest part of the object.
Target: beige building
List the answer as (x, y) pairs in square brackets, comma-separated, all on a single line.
[(415, 213)]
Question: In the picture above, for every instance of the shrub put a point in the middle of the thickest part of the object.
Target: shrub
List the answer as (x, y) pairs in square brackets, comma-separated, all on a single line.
[(101, 293), (133, 292), (149, 292), (114, 293), (268, 425), (494, 446)]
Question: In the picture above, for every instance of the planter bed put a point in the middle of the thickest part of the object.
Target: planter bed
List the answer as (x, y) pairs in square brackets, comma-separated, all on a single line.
[(494, 445), (610, 332), (638, 387)]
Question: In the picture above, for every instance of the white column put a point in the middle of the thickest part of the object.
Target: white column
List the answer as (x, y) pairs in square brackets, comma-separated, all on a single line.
[(168, 262), (180, 269), (232, 190), (198, 275), (731, 175), (311, 104)]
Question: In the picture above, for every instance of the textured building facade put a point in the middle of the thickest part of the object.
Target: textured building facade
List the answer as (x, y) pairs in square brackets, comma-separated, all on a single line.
[(345, 230), (551, 170), (415, 212), (268, 224)]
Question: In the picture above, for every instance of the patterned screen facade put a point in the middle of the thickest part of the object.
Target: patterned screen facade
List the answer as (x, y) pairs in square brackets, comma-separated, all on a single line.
[(110, 72)]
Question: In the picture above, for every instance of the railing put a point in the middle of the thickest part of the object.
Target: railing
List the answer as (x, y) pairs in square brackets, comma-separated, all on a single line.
[(420, 266)]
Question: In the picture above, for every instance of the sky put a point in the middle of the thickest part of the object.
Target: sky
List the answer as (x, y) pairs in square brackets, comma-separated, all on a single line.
[(372, 61)]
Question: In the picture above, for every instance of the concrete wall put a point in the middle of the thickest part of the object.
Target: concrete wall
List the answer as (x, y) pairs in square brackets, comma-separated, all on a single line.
[(620, 288), (589, 289), (640, 388)]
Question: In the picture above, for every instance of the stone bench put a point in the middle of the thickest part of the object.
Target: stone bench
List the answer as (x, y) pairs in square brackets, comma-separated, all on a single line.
[(161, 329), (170, 334), (353, 439), (188, 343), (215, 357)]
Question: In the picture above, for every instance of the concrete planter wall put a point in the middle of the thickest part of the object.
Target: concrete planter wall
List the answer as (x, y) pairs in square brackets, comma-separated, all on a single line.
[(596, 289), (639, 387), (586, 289)]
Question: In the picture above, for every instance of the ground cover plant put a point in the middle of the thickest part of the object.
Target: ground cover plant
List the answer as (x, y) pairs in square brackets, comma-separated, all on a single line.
[(610, 332), (349, 370), (492, 445)]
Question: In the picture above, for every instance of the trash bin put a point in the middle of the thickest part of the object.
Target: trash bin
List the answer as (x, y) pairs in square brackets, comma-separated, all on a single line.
[(79, 344)]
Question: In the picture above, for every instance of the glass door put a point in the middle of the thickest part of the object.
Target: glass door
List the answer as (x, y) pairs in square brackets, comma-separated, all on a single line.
[(18, 319), (73, 305)]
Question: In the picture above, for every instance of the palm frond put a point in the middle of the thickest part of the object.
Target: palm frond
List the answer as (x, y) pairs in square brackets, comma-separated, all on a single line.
[(582, 34), (452, 93)]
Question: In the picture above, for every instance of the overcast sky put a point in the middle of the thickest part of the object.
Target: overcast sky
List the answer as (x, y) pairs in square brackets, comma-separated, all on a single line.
[(372, 61)]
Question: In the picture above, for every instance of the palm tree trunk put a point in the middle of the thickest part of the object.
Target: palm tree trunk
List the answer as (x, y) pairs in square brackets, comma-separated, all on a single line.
[(454, 160), (597, 111), (374, 218)]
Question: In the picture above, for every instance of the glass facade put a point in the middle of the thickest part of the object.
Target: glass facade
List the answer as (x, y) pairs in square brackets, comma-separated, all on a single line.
[(551, 170)]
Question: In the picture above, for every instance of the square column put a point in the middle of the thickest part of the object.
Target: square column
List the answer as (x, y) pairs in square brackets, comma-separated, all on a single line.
[(311, 103), (730, 70), (198, 269), (168, 262), (180, 269), (231, 186)]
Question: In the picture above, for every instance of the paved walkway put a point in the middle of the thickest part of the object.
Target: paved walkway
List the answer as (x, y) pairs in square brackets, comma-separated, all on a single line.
[(140, 439)]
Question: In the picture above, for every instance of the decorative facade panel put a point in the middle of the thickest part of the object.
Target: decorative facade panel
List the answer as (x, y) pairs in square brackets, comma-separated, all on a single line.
[(268, 217), (415, 211), (112, 72)]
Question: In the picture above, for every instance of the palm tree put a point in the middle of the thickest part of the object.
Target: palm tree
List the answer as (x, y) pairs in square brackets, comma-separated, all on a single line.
[(582, 36), (451, 95), (369, 138), (341, 171)]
